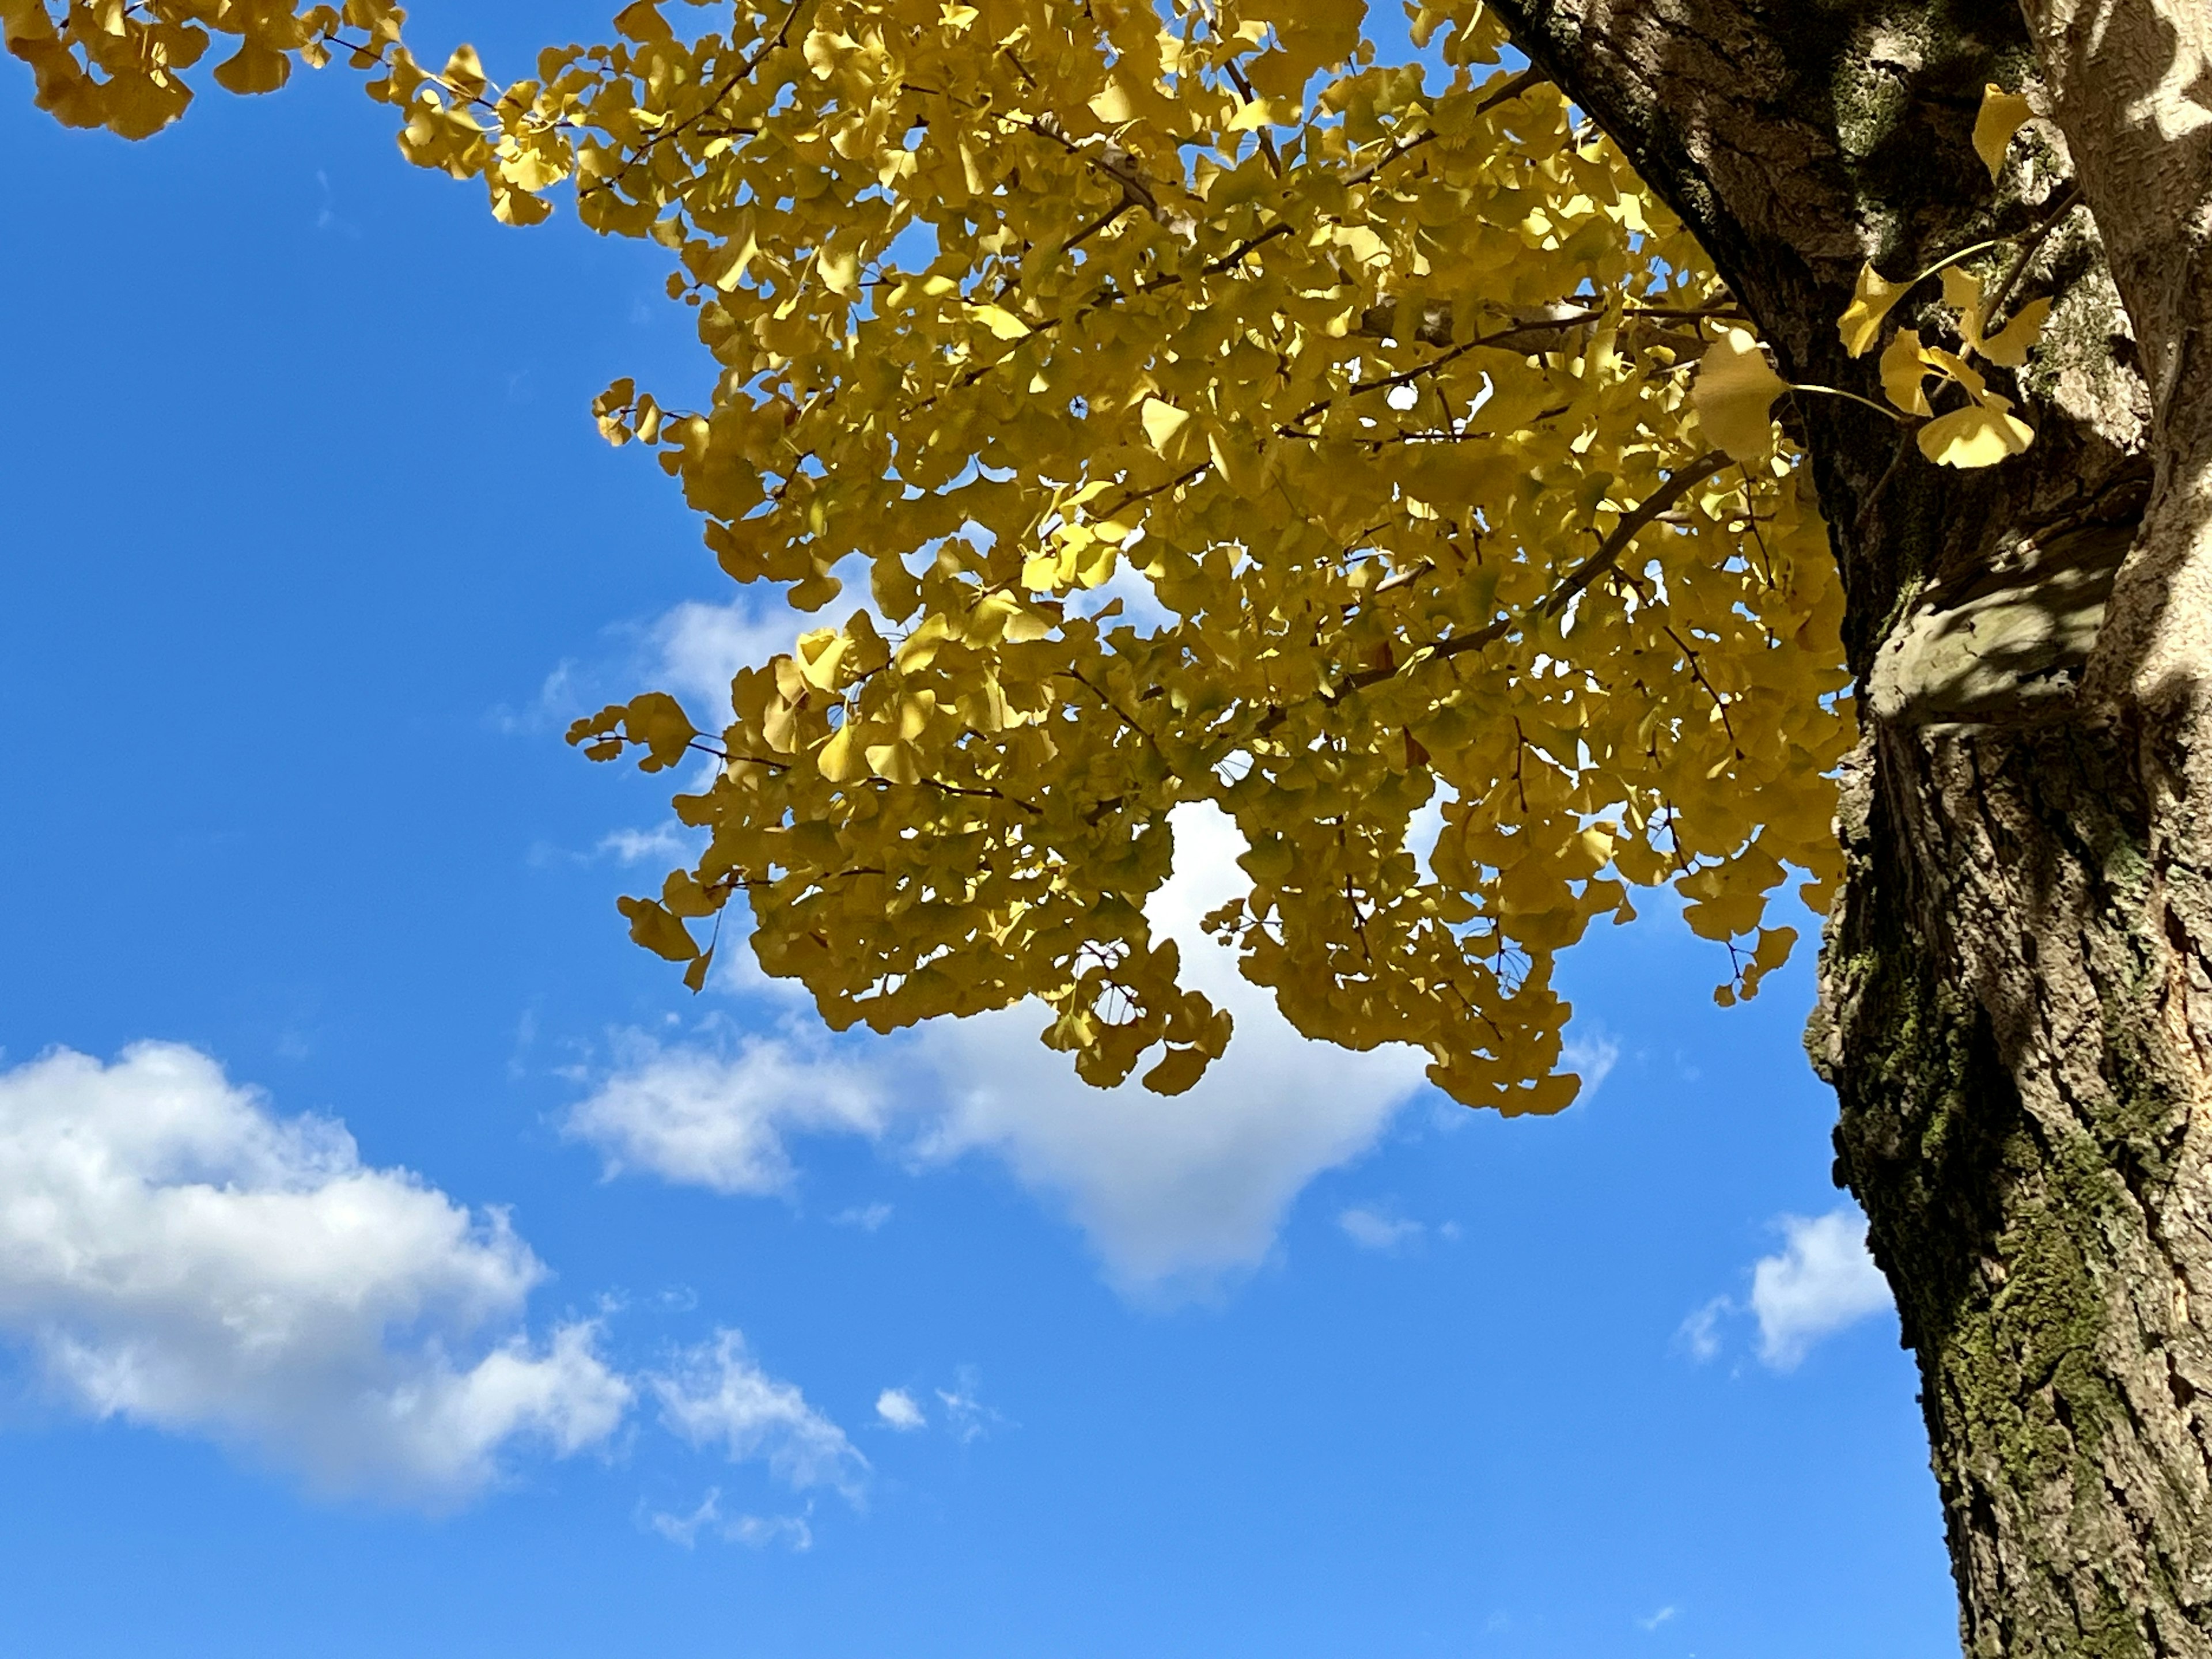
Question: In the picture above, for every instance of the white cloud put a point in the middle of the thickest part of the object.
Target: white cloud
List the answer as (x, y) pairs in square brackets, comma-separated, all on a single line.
[(715, 1393), (1823, 1280), (554, 705), (1700, 1333), (1371, 1232), (1188, 1186), (664, 845), (718, 1122), (966, 1414), (1656, 1620), (1591, 1056), (1171, 1191), (172, 1254), (868, 1218), (685, 1528), (702, 647), (759, 1531), (896, 1407), (756, 1530)]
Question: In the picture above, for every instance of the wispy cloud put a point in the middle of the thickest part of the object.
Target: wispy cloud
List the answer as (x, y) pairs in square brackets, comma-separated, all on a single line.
[(1591, 1055), (755, 1531), (663, 844), (715, 1394), (1371, 1232), (1656, 1620), (868, 1218), (966, 1414), (1701, 1333), (557, 699)]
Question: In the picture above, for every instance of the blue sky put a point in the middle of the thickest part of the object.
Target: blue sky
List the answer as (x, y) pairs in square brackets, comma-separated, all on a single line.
[(394, 1259)]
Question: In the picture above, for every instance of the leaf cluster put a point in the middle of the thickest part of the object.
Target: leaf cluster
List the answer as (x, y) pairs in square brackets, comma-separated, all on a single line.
[(1210, 412)]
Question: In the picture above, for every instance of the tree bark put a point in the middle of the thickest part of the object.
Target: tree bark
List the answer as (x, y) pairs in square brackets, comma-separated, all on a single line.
[(2016, 1009)]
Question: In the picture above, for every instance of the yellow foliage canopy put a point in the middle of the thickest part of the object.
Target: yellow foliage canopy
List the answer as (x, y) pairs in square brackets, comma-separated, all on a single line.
[(1214, 413)]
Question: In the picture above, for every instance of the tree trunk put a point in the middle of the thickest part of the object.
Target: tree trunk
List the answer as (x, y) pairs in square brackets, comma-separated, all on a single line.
[(2016, 1008)]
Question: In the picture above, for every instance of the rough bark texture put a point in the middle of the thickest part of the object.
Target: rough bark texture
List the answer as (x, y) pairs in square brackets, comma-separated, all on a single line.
[(2016, 1009)]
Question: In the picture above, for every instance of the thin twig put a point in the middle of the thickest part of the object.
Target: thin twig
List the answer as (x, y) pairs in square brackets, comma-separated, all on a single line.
[(2028, 250)]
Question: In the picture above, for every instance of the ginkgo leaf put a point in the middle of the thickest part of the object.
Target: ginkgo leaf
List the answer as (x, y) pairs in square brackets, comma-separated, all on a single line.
[(1178, 1070), (1871, 298), (658, 720), (1980, 434), (659, 932), (1162, 422), (895, 763), (1954, 367), (642, 21), (1962, 291), (842, 759), (1002, 323), (840, 270), (1734, 391), (2009, 346), (1905, 373), (2002, 115), (254, 68)]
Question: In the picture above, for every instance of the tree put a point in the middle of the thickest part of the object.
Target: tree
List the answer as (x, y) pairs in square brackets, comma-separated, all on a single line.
[(1223, 415)]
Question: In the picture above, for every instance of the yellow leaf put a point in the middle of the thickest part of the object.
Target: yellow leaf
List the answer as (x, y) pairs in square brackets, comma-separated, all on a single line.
[(1162, 422), (1963, 293), (1252, 117), (1904, 372), (1735, 387), (518, 207), (1980, 434), (657, 720), (140, 106), (642, 22), (659, 932), (1871, 298), (2002, 115), (818, 656), (464, 74), (1179, 1068), (1958, 368), (840, 269), (682, 896), (1113, 106), (894, 763), (254, 68), (1001, 322), (2009, 346), (840, 758)]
